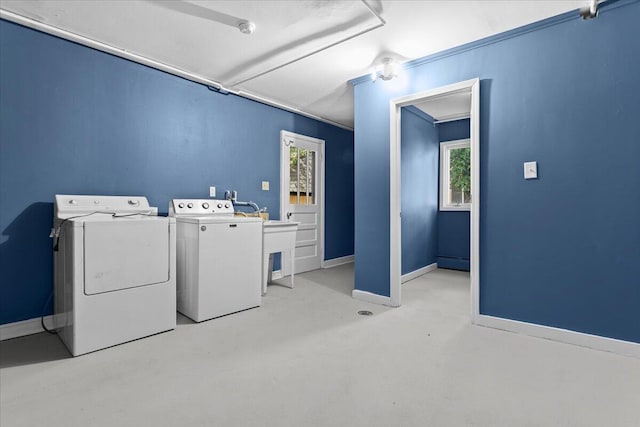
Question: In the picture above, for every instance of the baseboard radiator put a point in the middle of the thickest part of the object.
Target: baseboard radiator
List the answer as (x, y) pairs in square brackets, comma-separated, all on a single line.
[(453, 263)]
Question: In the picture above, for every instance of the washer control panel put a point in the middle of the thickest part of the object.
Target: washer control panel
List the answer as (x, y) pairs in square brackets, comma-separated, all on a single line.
[(200, 207)]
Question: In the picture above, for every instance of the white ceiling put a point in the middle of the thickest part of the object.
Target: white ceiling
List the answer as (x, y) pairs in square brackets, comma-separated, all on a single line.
[(202, 38), (447, 107)]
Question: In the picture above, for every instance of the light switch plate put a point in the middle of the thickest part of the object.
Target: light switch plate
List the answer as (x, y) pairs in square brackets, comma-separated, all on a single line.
[(212, 191), (531, 170), (265, 185)]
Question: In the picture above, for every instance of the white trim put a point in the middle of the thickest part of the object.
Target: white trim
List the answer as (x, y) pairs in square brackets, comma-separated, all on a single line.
[(624, 348), (276, 274), (452, 118), (395, 259), (419, 272), (445, 174), (381, 23), (24, 327), (454, 208), (330, 263), (123, 53), (321, 184), (475, 208), (371, 298)]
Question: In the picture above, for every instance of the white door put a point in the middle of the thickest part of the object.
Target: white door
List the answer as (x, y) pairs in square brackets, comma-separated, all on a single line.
[(302, 197)]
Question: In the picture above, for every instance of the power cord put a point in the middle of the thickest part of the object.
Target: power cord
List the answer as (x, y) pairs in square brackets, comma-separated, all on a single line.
[(55, 233), (51, 331)]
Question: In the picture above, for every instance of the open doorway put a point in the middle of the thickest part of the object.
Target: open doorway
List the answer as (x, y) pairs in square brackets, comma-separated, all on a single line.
[(457, 104)]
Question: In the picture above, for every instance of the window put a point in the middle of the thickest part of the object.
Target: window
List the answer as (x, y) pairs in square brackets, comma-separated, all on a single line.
[(302, 177), (455, 175)]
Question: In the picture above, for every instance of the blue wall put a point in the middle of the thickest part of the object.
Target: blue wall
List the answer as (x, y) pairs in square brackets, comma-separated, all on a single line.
[(419, 153), (562, 250), (78, 121), (453, 226), (457, 129)]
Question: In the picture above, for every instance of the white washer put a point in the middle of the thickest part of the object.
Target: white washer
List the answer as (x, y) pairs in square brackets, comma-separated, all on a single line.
[(114, 271), (219, 258)]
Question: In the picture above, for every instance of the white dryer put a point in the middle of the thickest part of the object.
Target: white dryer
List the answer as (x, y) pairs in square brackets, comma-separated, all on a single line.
[(114, 271), (219, 258)]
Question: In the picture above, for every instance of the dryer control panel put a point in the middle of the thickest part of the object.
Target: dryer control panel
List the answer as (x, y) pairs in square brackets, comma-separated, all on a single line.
[(67, 205), (188, 207)]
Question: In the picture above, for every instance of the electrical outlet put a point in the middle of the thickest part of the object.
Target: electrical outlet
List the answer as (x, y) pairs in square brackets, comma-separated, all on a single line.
[(531, 170), (212, 191), (265, 185)]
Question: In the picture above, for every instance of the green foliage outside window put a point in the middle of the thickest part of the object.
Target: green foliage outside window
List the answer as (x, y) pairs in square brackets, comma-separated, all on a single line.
[(460, 170)]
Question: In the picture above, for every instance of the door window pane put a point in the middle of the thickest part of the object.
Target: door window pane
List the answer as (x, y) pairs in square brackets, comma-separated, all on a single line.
[(294, 189), (311, 178), (302, 176)]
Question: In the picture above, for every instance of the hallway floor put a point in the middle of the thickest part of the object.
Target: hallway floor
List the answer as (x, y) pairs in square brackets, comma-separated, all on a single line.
[(306, 358)]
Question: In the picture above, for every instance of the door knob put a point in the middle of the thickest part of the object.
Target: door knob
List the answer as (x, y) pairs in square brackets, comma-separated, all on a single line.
[(288, 215)]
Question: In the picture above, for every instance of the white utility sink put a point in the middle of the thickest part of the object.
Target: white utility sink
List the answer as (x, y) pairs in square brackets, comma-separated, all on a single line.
[(278, 236), (276, 223)]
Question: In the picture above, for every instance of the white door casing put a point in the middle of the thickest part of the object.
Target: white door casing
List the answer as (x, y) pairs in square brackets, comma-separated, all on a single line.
[(472, 86), (302, 198)]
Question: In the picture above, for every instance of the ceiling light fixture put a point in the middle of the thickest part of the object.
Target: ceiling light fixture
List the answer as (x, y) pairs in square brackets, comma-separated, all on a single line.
[(386, 71), (246, 27)]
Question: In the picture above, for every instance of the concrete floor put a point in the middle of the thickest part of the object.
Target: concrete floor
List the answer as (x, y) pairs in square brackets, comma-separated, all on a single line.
[(306, 358)]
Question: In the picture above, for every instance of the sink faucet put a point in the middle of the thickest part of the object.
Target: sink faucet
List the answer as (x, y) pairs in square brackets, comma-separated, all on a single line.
[(255, 206), (233, 196)]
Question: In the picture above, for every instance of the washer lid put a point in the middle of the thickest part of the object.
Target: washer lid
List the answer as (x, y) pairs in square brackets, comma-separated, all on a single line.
[(213, 219)]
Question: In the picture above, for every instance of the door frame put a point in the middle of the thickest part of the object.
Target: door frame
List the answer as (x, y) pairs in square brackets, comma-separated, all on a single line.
[(395, 261), (285, 264)]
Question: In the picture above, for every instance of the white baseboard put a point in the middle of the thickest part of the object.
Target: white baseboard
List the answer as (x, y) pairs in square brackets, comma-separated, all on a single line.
[(24, 327), (337, 261), (624, 348), (372, 298), (419, 272)]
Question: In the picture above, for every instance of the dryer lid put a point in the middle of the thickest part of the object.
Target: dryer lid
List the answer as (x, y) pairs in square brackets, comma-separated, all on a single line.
[(125, 254)]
